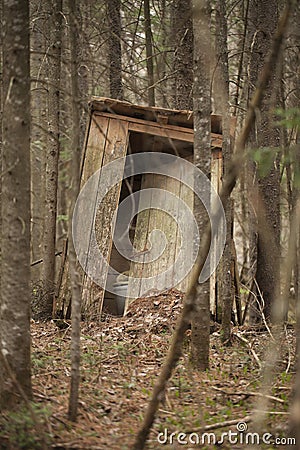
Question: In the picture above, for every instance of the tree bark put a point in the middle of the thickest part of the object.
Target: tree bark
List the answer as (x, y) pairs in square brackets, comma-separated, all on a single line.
[(182, 32), (114, 47), (52, 156), (263, 17), (202, 159), (83, 64), (75, 170), (1, 117), (15, 263), (225, 281), (39, 130), (149, 54)]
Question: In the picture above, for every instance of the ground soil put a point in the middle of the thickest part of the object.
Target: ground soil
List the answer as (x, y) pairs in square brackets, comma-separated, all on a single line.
[(121, 359)]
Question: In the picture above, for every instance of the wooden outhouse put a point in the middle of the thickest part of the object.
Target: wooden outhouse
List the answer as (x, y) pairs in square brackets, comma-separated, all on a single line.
[(118, 128)]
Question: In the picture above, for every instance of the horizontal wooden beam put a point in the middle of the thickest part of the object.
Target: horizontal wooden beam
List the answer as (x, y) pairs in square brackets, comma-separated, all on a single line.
[(183, 118), (157, 129)]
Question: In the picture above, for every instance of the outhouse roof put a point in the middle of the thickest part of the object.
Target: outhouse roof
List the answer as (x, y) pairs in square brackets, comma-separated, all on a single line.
[(182, 118)]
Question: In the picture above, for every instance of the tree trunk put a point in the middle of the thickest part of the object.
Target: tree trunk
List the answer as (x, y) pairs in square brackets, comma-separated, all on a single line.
[(49, 240), (263, 17), (295, 410), (74, 273), (39, 132), (202, 159), (83, 59), (149, 54), (1, 119), (182, 32), (15, 373), (115, 51), (294, 62), (162, 60), (225, 282)]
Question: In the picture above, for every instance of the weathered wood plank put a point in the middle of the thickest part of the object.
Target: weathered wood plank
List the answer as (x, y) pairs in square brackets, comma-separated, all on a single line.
[(92, 161), (156, 222), (169, 227), (140, 243), (154, 128), (95, 147), (114, 145), (187, 196), (162, 130), (182, 118), (216, 180)]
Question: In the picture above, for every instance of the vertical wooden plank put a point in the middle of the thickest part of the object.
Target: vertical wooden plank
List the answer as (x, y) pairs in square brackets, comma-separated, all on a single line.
[(95, 140), (157, 221), (216, 180), (170, 228), (104, 149), (187, 196), (117, 143), (95, 147), (140, 243), (92, 161)]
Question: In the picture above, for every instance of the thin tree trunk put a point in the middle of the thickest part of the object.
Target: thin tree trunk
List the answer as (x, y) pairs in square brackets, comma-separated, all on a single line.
[(202, 159), (74, 273), (114, 47), (226, 288), (1, 119), (52, 157), (161, 60), (149, 54), (241, 46), (268, 252), (15, 262), (294, 422), (182, 33), (83, 65), (39, 130), (296, 191)]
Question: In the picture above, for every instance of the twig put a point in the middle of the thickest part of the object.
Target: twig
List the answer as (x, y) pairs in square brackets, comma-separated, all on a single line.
[(250, 293), (39, 261), (170, 413), (9, 169), (289, 351), (261, 309), (226, 423), (257, 360), (281, 413), (249, 394)]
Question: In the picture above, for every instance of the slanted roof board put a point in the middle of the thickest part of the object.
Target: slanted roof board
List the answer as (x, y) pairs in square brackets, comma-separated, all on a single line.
[(157, 129), (181, 118)]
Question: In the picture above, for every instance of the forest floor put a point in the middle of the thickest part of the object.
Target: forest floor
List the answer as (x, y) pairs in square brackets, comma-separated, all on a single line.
[(121, 359)]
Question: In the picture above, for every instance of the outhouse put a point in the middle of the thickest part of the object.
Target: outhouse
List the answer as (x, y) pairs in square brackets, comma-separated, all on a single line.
[(116, 129)]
